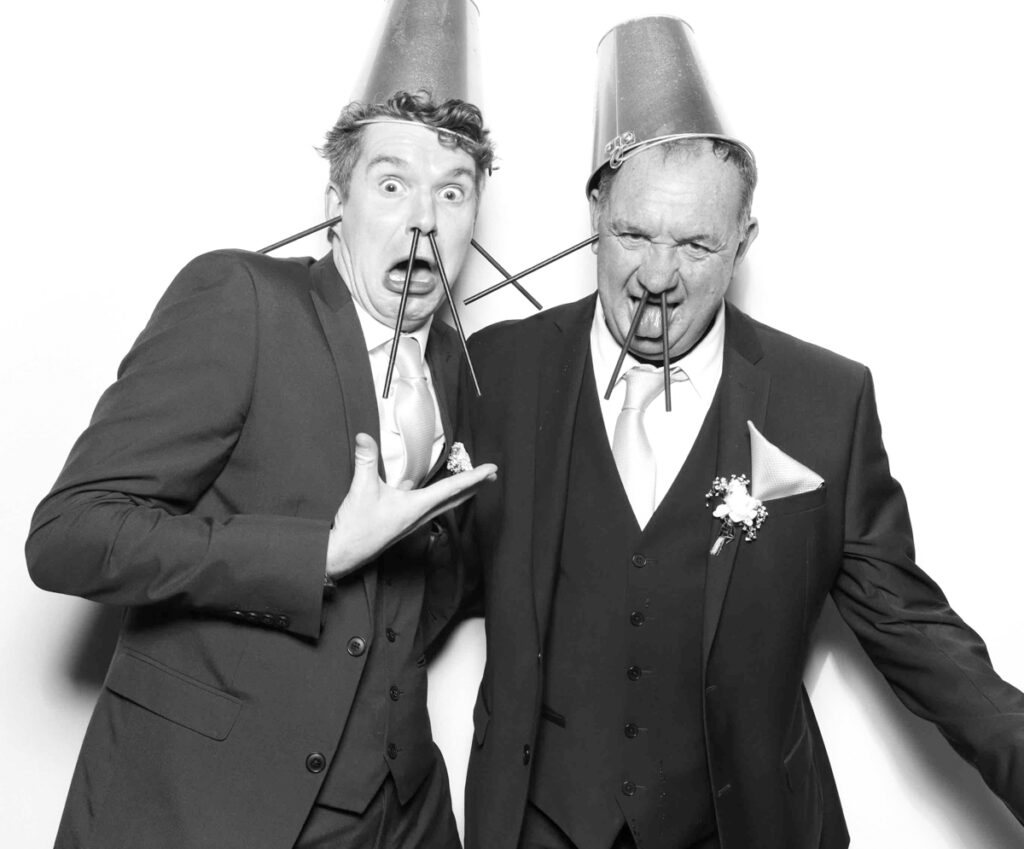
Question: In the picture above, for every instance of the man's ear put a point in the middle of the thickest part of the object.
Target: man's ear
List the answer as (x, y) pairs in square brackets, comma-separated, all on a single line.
[(595, 216), (333, 204), (747, 240)]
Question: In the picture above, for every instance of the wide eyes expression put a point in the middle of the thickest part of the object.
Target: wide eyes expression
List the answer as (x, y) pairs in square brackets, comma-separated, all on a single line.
[(394, 187), (453, 194)]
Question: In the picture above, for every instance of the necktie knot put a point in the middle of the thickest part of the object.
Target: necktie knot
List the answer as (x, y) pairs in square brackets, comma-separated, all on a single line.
[(643, 385), (409, 360)]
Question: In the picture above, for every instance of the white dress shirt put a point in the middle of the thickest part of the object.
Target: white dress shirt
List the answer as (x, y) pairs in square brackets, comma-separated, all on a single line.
[(378, 346), (671, 434)]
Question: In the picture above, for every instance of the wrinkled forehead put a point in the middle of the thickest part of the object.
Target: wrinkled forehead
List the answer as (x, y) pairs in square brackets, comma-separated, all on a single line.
[(692, 175), (414, 148)]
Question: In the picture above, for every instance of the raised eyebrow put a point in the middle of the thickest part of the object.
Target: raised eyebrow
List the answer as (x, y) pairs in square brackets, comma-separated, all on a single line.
[(459, 172), (387, 159)]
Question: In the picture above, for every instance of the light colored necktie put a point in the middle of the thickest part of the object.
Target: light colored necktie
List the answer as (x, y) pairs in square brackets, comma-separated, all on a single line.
[(414, 410), (631, 448)]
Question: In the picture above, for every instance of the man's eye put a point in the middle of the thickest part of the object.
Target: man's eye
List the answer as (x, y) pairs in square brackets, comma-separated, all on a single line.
[(453, 194), (390, 187), (696, 249)]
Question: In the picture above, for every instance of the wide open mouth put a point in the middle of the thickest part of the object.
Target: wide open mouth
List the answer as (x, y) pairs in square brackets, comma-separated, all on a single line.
[(418, 266), (422, 278)]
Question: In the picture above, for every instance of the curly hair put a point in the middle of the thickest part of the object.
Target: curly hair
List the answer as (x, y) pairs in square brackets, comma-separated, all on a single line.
[(459, 124), (724, 149)]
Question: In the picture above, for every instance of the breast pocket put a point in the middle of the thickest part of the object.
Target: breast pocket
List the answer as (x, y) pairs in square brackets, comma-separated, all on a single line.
[(173, 695), (797, 503)]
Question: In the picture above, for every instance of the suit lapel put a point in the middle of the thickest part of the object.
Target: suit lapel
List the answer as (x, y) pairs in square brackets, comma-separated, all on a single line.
[(743, 396), (345, 339), (558, 397)]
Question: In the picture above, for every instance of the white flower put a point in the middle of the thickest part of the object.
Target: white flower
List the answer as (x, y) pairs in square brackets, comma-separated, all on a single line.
[(458, 459), (738, 505), (738, 509)]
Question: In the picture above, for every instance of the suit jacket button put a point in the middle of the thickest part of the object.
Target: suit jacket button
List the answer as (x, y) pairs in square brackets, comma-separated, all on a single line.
[(356, 646), (636, 618), (391, 634), (639, 561), (316, 762), (392, 751), (628, 788), (634, 673), (526, 755), (395, 694), (631, 730), (283, 621)]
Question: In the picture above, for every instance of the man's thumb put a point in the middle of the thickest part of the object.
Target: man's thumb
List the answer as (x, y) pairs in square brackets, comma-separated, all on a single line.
[(365, 470)]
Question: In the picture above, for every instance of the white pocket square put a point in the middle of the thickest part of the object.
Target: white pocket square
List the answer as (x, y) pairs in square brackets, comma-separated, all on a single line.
[(774, 474)]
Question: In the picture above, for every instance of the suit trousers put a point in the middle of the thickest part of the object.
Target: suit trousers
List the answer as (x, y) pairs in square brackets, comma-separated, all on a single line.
[(540, 832), (424, 822)]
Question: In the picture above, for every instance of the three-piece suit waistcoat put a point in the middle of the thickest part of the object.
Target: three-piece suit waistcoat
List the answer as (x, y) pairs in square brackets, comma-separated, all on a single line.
[(622, 734)]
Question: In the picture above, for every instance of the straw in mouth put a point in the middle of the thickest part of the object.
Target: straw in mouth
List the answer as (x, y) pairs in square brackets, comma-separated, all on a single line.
[(666, 364)]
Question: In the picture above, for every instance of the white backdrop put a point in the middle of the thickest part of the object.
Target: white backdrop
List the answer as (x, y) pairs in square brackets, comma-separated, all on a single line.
[(139, 135)]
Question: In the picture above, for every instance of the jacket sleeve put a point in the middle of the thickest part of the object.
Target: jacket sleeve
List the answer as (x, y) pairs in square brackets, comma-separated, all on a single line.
[(937, 665), (119, 527)]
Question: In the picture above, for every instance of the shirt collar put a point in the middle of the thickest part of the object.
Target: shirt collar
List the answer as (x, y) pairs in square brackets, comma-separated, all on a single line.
[(702, 364), (378, 335)]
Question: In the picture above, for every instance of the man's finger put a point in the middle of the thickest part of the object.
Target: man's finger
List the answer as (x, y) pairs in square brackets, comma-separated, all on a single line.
[(452, 487)]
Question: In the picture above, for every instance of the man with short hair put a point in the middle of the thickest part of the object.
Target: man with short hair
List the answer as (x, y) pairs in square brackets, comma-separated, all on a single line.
[(649, 609), (269, 683)]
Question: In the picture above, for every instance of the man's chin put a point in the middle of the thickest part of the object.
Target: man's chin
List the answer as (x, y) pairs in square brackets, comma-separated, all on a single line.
[(416, 315)]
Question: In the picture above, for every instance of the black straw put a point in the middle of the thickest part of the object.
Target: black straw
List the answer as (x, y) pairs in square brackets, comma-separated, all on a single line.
[(625, 345), (502, 271), (401, 311), (329, 222), (455, 312), (664, 352), (537, 267)]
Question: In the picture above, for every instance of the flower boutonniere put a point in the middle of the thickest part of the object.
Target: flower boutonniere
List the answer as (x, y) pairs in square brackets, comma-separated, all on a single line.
[(738, 509), (458, 459)]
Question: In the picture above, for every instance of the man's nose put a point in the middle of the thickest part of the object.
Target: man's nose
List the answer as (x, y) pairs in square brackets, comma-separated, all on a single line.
[(658, 270), (422, 214)]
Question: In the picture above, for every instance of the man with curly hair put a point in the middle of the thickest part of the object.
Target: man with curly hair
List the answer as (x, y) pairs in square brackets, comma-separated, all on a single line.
[(269, 684)]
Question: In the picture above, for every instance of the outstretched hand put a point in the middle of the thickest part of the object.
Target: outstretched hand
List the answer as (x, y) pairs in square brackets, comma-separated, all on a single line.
[(374, 515)]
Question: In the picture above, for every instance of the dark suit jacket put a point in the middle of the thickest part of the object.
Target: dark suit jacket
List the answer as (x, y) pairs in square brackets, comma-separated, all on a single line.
[(773, 787), (200, 499)]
